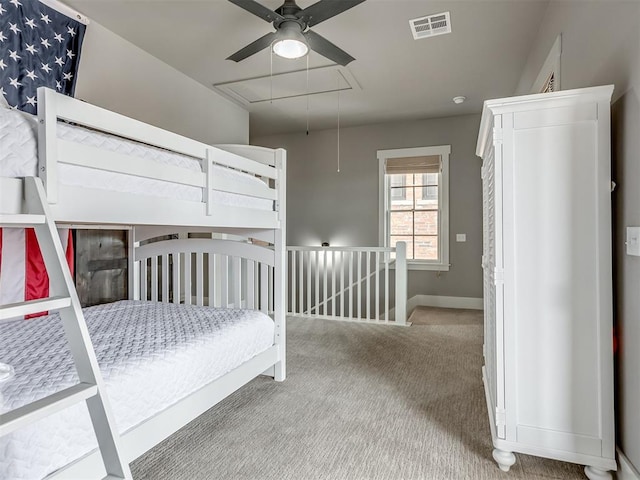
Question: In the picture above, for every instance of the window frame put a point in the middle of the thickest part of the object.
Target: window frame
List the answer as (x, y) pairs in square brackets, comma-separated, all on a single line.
[(384, 194)]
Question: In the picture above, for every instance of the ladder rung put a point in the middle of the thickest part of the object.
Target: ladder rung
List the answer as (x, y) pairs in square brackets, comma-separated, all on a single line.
[(21, 220), (14, 310), (23, 416)]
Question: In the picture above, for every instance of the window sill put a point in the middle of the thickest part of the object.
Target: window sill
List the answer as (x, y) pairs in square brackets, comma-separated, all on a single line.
[(417, 265)]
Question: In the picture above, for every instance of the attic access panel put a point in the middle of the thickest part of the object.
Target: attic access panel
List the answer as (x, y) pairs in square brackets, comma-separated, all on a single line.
[(326, 79)]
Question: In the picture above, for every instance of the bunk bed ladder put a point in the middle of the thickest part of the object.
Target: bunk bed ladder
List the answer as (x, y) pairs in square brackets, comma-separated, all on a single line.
[(64, 299)]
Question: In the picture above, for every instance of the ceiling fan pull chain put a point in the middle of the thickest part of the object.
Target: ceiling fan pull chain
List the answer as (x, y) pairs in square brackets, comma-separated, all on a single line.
[(271, 75), (338, 122), (307, 94)]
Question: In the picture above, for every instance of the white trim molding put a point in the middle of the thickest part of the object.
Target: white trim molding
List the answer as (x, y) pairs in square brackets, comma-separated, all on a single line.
[(471, 303), (627, 471)]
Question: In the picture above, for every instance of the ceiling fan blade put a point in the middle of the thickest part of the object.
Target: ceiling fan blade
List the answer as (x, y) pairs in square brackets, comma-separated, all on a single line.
[(255, 47), (325, 9), (258, 10), (327, 49)]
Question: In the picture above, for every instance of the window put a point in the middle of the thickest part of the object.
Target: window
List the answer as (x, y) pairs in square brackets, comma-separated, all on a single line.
[(414, 206)]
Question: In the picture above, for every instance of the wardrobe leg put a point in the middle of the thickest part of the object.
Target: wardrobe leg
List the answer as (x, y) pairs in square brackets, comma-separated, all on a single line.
[(594, 473), (504, 459)]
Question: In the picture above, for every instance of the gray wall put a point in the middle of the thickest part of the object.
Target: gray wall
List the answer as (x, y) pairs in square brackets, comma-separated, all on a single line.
[(117, 75), (592, 57), (342, 208)]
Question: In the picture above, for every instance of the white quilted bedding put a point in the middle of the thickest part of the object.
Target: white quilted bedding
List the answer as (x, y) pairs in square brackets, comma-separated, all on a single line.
[(150, 354), (18, 158)]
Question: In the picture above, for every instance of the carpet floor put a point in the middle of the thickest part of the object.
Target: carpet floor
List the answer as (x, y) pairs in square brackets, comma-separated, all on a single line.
[(361, 402)]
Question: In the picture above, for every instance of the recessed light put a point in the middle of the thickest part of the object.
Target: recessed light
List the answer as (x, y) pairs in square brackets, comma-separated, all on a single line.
[(458, 100)]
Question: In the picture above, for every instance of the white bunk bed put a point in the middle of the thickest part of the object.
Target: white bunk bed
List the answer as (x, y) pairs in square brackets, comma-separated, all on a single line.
[(87, 160)]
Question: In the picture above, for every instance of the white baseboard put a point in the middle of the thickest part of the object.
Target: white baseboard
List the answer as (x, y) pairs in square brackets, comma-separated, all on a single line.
[(471, 303), (626, 470)]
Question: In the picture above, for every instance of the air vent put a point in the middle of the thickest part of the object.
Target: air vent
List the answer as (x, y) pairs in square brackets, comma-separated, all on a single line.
[(430, 26)]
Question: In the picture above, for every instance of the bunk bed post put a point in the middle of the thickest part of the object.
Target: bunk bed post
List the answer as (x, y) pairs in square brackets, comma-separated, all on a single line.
[(47, 138), (280, 270)]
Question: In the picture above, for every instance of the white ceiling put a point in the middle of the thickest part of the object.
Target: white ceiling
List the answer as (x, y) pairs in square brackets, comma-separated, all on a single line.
[(393, 78)]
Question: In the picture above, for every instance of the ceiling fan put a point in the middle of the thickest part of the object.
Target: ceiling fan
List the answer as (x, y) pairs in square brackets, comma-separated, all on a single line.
[(292, 38)]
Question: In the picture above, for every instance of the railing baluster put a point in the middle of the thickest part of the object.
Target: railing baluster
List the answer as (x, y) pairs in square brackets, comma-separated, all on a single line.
[(359, 299), (342, 284), (324, 283), (377, 266), (317, 299), (301, 284), (368, 285), (333, 283), (309, 305), (386, 286), (293, 282), (351, 315)]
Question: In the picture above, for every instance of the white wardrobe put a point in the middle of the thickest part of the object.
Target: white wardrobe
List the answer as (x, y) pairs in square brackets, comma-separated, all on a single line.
[(547, 263)]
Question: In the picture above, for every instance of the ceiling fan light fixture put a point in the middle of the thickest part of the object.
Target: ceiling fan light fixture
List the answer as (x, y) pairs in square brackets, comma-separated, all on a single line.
[(291, 42), (290, 48)]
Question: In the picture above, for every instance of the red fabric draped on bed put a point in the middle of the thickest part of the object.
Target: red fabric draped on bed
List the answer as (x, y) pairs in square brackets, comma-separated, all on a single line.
[(23, 275)]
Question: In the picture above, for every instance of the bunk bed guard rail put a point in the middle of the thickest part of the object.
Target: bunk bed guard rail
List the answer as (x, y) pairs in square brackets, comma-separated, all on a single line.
[(264, 164)]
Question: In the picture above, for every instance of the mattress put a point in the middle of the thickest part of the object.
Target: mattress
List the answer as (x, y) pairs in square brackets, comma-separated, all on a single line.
[(18, 158), (150, 354)]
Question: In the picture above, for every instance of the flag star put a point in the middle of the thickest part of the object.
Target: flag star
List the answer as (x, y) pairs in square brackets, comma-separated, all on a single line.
[(2, 92), (45, 18), (31, 74), (58, 85), (58, 37), (71, 31), (46, 67), (2, 64), (14, 55), (30, 23), (14, 82), (59, 61), (31, 49), (2, 37), (45, 42), (15, 2), (67, 76), (14, 28), (2, 10), (70, 54), (31, 101)]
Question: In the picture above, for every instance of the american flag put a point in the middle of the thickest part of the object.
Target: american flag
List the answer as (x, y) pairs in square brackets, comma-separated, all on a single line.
[(39, 46)]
